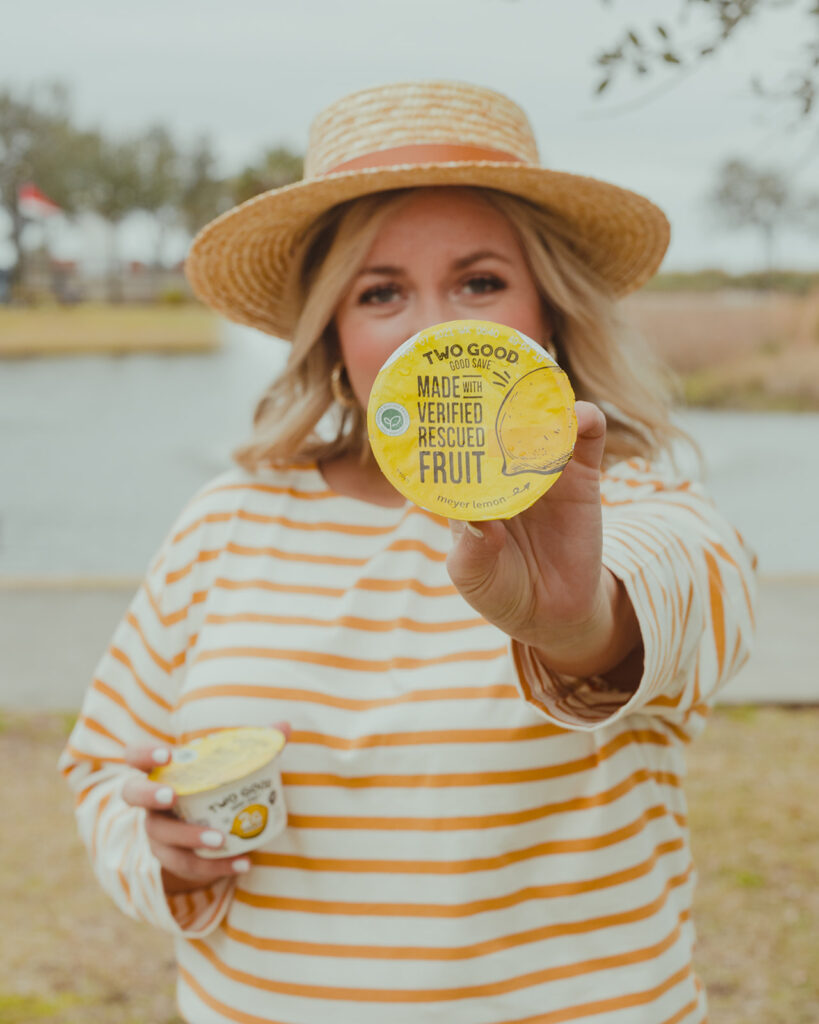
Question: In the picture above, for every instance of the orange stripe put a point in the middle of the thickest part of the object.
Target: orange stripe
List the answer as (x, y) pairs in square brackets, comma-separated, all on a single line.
[(615, 1003), (381, 586), (681, 734), (331, 700), (735, 655), (123, 881), (97, 815), (172, 618), (457, 910), (656, 618), (697, 693), (325, 526), (245, 550), (292, 492), (445, 954), (499, 778), (401, 739), (457, 867), (119, 655), (111, 694), (442, 521), (717, 611), (201, 557), (166, 666), (166, 620), (356, 664), (349, 622), (95, 726), (562, 1016), (365, 583), (515, 984), (674, 702), (230, 1012), (95, 763), (278, 588), (724, 554), (126, 888), (682, 1013), (468, 822)]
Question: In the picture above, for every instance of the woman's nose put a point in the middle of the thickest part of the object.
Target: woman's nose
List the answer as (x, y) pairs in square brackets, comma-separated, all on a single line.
[(433, 309)]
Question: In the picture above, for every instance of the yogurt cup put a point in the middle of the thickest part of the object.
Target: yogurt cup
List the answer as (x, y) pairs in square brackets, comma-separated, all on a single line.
[(229, 781), (472, 420)]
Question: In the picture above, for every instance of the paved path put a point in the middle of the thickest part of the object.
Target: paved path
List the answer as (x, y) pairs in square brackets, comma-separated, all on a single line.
[(52, 638)]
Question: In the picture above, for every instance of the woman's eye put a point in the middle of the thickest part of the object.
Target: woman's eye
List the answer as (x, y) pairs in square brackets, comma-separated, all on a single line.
[(483, 284), (378, 295)]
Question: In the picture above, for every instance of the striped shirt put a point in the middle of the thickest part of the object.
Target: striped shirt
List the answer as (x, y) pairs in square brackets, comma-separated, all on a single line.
[(470, 840)]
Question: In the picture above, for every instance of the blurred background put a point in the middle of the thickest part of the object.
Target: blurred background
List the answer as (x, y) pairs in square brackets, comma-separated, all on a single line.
[(125, 130)]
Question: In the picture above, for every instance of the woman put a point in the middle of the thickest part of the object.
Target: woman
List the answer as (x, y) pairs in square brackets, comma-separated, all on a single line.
[(486, 820)]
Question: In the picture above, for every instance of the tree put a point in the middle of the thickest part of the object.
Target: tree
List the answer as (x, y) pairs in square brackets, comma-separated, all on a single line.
[(747, 196), (277, 167), (646, 48), (159, 186), (203, 195), (38, 144), (112, 188)]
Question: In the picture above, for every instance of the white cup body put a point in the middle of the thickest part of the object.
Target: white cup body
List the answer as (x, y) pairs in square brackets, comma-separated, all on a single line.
[(249, 812)]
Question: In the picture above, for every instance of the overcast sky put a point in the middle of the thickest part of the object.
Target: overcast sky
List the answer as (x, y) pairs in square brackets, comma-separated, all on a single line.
[(253, 73)]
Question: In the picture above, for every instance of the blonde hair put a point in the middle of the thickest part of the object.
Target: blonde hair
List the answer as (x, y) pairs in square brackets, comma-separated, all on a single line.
[(607, 362)]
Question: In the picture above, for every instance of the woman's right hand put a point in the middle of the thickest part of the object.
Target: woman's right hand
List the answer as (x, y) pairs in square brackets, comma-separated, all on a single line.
[(172, 840)]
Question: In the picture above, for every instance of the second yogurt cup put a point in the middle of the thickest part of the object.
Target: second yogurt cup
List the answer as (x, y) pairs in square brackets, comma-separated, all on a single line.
[(230, 781)]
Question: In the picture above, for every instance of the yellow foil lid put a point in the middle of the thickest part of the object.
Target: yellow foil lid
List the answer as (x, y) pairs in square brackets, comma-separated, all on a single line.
[(218, 759), (472, 420)]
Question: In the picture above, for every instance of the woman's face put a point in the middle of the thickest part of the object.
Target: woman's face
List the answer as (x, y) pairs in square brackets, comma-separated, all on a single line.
[(445, 255)]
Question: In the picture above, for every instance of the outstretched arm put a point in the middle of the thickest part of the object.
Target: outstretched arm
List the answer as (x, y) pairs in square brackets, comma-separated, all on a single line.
[(637, 598)]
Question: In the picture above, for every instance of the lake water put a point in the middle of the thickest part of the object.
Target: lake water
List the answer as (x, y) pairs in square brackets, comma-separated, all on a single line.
[(99, 454)]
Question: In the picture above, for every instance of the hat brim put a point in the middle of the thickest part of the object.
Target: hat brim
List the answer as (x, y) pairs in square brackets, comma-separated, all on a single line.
[(238, 263)]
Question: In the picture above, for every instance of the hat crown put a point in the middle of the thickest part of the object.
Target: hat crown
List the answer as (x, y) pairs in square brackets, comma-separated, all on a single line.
[(417, 114)]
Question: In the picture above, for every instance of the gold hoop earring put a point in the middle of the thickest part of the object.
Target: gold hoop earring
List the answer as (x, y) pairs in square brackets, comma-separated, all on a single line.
[(342, 393)]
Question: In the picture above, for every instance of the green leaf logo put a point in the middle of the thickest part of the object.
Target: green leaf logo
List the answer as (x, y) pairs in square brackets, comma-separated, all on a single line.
[(393, 419)]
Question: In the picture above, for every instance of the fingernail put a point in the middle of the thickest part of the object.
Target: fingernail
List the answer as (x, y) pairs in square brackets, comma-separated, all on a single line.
[(211, 838), (474, 530), (457, 527), (164, 795), (161, 756), (241, 865)]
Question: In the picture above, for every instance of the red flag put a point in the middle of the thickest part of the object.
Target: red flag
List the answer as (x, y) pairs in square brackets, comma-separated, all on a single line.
[(34, 203)]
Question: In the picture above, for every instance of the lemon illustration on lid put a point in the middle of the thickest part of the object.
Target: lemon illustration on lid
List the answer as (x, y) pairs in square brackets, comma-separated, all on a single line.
[(533, 432), (472, 420)]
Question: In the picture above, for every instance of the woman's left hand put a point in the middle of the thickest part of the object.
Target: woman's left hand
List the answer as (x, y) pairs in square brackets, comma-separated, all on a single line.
[(539, 576)]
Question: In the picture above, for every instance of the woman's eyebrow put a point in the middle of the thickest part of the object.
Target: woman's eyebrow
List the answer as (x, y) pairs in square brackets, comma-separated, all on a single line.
[(459, 264), (483, 254), (384, 268)]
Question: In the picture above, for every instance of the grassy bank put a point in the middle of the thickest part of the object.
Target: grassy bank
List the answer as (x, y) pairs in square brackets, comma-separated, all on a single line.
[(68, 956), (731, 347), (755, 351), (99, 329), (795, 282)]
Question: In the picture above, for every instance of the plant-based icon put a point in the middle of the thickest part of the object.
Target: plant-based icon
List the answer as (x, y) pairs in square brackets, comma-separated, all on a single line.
[(392, 419)]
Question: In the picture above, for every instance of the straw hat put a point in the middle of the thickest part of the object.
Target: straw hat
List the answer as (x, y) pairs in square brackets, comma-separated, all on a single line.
[(413, 134)]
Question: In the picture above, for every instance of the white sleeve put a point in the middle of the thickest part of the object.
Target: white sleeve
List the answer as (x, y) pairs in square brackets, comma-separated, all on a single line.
[(690, 577), (130, 701)]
